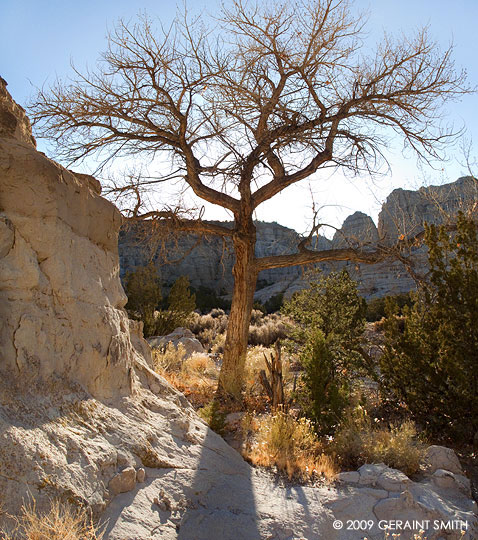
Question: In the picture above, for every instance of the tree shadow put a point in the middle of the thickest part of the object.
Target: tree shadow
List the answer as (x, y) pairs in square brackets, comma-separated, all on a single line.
[(221, 496)]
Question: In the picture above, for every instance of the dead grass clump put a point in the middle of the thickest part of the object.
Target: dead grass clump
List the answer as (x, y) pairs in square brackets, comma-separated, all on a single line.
[(358, 441), (287, 443), (61, 522), (200, 364), (169, 359), (196, 377), (266, 330)]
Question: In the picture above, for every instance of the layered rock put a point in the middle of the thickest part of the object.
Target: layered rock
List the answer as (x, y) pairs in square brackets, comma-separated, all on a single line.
[(56, 233), (357, 230), (405, 211), (209, 263)]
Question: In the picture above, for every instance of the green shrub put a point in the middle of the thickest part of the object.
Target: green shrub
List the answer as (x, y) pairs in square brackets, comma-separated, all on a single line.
[(376, 309), (430, 361), (181, 304), (214, 416), (333, 306), (143, 288), (207, 299), (274, 303), (324, 393)]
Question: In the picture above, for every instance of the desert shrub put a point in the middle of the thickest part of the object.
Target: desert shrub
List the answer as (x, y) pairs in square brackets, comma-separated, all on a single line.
[(332, 305), (376, 308), (195, 376), (169, 359), (324, 392), (430, 361), (143, 288), (208, 328), (268, 333), (359, 441), (215, 417), (259, 306), (256, 316), (61, 522), (329, 324), (274, 303), (207, 299), (200, 364), (266, 330), (287, 443)]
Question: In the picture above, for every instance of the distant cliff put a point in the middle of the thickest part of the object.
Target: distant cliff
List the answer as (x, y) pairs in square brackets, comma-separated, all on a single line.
[(208, 261)]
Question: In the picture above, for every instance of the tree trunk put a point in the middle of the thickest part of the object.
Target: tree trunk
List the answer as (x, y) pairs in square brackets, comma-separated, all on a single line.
[(245, 272)]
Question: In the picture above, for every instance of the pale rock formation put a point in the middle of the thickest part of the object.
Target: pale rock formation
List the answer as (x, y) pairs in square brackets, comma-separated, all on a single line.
[(14, 123), (66, 344), (440, 457), (405, 211), (210, 263), (357, 230), (84, 419), (180, 336), (227, 499)]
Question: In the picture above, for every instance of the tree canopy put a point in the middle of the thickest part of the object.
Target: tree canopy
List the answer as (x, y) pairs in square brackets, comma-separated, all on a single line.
[(244, 105)]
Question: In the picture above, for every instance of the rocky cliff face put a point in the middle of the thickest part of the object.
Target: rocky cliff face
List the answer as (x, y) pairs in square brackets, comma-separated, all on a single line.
[(209, 262), (56, 231), (74, 371)]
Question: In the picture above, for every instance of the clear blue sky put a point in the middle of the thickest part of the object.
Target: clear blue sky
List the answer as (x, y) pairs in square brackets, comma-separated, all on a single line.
[(38, 38)]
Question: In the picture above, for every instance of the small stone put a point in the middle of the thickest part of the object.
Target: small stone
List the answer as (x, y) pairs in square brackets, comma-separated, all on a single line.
[(140, 475), (123, 481), (348, 477)]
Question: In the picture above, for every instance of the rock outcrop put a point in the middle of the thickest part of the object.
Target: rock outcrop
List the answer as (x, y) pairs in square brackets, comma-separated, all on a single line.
[(356, 231), (84, 419), (67, 347), (209, 263)]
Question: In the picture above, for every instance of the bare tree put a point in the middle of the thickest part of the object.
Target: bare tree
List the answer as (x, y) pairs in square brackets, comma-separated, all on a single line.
[(270, 95)]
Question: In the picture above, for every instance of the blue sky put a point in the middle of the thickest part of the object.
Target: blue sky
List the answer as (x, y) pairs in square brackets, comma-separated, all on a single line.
[(39, 38)]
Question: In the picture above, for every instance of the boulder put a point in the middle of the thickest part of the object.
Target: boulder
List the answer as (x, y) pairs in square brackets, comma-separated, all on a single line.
[(180, 336), (123, 482), (439, 457)]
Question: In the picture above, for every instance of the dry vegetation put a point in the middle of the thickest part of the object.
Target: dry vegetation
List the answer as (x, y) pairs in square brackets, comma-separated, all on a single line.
[(289, 444), (195, 376), (61, 522), (283, 440), (359, 441)]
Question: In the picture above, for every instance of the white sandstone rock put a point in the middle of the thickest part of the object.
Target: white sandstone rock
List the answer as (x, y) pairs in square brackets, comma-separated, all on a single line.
[(123, 482), (440, 457), (180, 336)]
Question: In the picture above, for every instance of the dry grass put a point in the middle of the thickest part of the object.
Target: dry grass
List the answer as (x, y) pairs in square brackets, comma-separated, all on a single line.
[(208, 327), (61, 522), (196, 377), (287, 443), (266, 329), (263, 330), (358, 441)]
